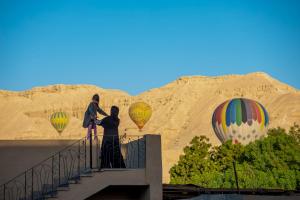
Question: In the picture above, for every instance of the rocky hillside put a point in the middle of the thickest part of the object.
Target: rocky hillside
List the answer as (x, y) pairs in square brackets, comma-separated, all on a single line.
[(181, 109)]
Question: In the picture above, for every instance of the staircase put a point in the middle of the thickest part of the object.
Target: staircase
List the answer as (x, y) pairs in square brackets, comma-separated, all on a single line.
[(75, 172)]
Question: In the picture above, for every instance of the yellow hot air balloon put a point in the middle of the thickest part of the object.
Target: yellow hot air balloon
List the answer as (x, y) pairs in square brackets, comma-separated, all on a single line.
[(140, 113), (59, 121)]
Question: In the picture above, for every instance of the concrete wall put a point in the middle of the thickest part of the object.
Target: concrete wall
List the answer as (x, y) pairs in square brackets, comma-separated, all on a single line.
[(16, 156), (153, 167)]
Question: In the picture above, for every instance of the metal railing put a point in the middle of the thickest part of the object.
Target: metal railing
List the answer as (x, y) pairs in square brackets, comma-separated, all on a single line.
[(81, 158)]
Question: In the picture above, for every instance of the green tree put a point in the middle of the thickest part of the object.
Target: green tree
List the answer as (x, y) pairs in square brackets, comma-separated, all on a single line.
[(295, 132), (272, 162), (193, 162)]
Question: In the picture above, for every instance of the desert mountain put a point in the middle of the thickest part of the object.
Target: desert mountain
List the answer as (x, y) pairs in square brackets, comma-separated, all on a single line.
[(182, 109)]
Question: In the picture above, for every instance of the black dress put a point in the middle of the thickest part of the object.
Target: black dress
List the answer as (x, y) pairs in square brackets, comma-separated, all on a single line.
[(111, 156)]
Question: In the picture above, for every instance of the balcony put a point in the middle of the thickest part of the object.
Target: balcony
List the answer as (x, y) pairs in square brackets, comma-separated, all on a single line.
[(94, 169)]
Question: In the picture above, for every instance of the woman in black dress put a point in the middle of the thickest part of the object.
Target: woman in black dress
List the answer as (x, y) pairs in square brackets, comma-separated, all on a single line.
[(111, 156)]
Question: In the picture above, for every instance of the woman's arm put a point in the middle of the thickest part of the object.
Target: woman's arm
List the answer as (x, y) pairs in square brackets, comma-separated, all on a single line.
[(100, 111)]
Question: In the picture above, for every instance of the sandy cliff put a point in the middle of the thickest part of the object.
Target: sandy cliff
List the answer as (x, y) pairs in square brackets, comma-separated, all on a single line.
[(182, 109)]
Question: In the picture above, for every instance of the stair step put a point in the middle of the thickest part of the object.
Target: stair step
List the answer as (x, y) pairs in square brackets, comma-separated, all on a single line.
[(50, 196), (87, 171), (74, 181), (53, 197), (63, 188), (47, 192), (63, 185), (86, 175)]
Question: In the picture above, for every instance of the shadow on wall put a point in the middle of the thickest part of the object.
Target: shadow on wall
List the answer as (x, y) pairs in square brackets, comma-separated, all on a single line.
[(133, 151), (16, 156)]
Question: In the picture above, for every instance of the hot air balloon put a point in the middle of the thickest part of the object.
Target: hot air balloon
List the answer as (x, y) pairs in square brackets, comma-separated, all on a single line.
[(140, 113), (59, 121), (241, 120)]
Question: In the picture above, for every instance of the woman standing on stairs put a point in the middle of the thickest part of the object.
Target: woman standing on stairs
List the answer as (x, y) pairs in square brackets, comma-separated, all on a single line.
[(111, 156)]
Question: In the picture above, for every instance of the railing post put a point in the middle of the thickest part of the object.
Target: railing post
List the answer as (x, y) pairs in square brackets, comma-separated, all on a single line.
[(32, 183), (91, 151), (78, 158), (4, 192), (84, 153), (52, 174), (138, 141), (25, 188), (58, 168), (113, 152), (236, 177), (97, 153), (120, 153)]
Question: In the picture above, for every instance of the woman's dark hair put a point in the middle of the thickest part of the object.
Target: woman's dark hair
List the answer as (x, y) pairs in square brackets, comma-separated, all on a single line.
[(96, 97), (114, 111)]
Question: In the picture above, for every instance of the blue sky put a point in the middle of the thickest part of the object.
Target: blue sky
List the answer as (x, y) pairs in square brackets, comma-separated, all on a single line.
[(138, 45)]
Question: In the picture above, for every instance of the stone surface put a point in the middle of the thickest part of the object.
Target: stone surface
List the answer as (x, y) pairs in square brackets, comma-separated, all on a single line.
[(182, 109)]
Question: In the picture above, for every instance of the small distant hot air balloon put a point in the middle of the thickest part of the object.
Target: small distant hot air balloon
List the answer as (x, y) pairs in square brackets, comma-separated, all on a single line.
[(140, 113), (241, 120), (59, 121)]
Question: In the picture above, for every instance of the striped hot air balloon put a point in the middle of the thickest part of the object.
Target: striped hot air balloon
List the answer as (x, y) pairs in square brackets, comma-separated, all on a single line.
[(59, 121), (241, 120)]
